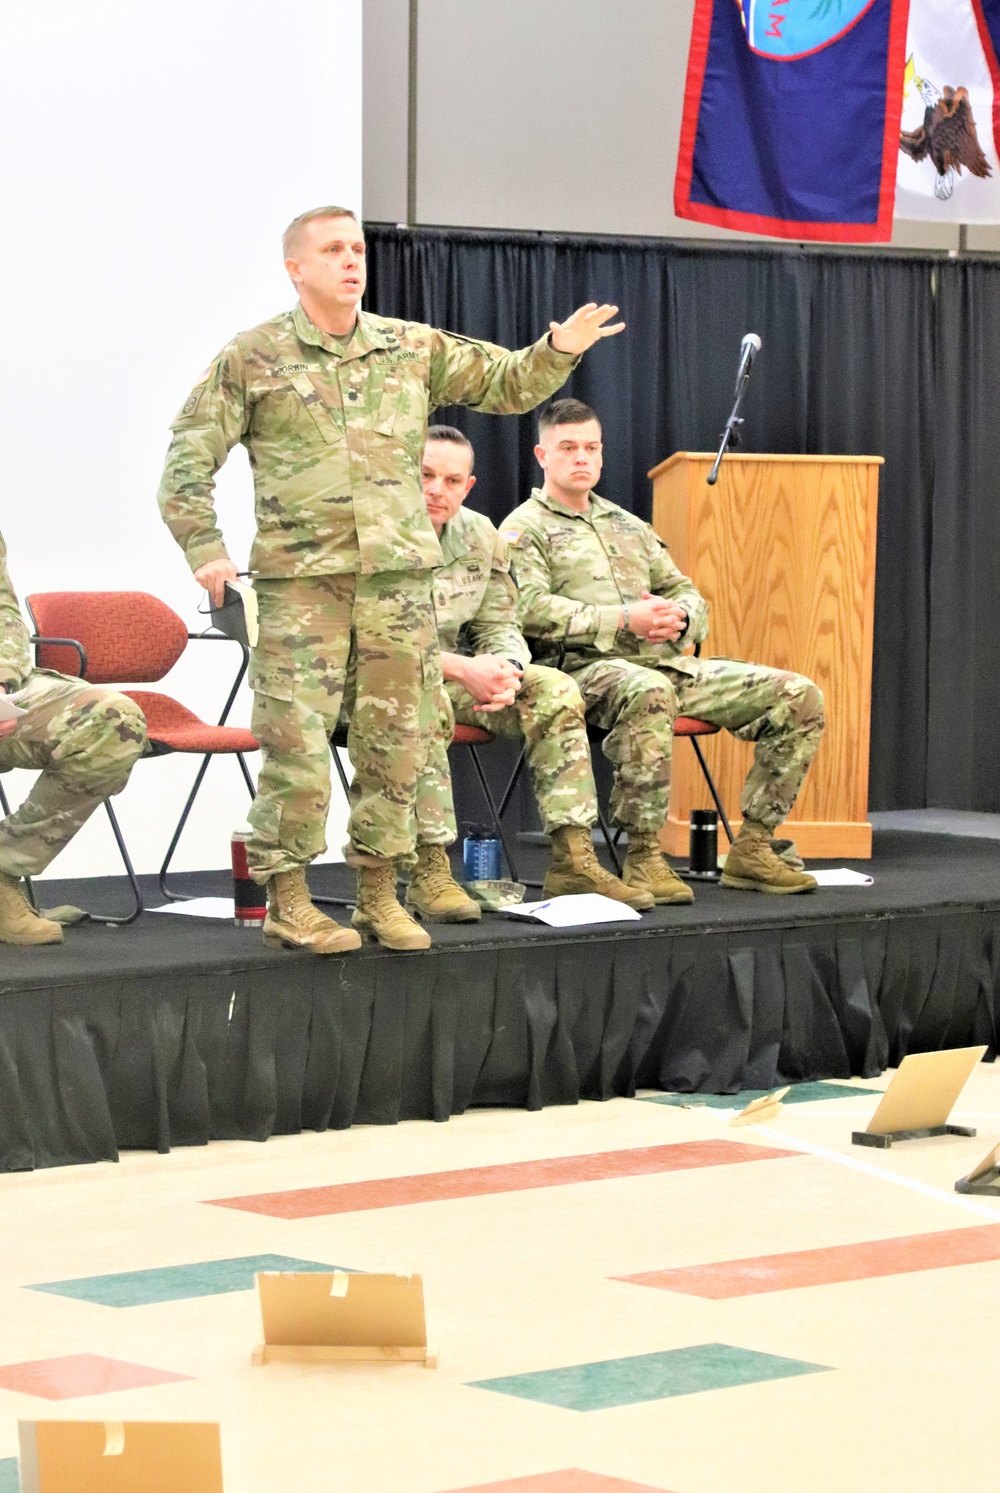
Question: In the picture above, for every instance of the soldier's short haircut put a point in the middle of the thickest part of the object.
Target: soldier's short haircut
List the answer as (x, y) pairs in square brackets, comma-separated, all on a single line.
[(565, 412), (292, 234), (454, 437)]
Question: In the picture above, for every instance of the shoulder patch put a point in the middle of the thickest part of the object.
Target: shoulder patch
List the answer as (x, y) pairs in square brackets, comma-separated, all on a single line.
[(511, 536), (203, 376)]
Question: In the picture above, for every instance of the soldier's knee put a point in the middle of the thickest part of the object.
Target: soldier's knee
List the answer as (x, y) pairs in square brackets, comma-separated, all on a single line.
[(552, 690), (126, 727), (649, 695), (806, 700)]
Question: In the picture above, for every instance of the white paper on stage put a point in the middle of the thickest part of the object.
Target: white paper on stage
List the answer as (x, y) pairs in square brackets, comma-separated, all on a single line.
[(201, 907), (575, 911), (842, 876), (9, 710)]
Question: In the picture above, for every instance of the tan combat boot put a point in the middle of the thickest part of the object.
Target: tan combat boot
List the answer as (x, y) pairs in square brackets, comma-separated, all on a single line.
[(19, 922), (574, 868), (434, 894), (293, 922), (378, 913), (753, 866), (647, 871)]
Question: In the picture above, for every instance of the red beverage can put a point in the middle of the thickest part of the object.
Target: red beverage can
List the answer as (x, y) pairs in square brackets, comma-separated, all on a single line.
[(249, 899)]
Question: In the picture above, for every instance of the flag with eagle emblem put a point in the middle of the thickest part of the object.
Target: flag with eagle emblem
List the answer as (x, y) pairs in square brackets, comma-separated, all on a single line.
[(949, 164), (824, 119)]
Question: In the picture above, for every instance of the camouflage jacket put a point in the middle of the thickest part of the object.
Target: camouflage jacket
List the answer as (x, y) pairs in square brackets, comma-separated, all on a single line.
[(475, 600), (15, 651), (335, 435), (574, 571)]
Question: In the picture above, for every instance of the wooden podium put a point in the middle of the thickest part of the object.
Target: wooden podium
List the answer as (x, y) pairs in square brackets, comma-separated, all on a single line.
[(783, 549)]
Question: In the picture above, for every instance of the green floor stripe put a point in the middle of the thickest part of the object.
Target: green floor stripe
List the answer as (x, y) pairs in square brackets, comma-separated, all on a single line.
[(800, 1093), (649, 1376), (176, 1282)]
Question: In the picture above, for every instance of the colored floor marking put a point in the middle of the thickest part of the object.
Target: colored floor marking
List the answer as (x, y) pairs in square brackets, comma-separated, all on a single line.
[(649, 1376), (176, 1282), (518, 1176), (9, 1481), (80, 1374), (572, 1480), (800, 1093), (826, 1267)]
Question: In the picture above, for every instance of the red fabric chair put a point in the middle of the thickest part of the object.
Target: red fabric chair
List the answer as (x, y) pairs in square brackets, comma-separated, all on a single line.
[(130, 637)]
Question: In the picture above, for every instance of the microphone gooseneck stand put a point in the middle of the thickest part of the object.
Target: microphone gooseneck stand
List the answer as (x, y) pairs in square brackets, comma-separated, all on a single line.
[(731, 435)]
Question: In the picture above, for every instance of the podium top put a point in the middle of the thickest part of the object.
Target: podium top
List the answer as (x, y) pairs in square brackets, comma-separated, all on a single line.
[(762, 456)]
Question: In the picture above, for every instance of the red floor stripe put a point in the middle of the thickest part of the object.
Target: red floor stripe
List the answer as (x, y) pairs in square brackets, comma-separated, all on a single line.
[(827, 1267), (433, 1187)]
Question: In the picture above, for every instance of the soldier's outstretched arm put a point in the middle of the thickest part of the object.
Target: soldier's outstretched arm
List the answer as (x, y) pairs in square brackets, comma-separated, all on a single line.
[(15, 650), (206, 428), (543, 612), (498, 382)]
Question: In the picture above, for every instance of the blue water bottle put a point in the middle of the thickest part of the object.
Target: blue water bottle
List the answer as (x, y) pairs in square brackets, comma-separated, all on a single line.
[(481, 854)]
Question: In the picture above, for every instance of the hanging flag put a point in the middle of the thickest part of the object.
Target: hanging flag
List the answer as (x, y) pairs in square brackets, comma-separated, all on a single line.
[(949, 162), (792, 117)]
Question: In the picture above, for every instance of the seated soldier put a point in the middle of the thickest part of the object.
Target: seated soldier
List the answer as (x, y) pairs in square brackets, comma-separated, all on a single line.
[(600, 596), (496, 686), (85, 741)]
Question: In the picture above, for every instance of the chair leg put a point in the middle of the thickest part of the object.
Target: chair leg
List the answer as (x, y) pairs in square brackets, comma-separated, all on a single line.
[(172, 896), (129, 872), (711, 787), (610, 842), (488, 795), (251, 785), (345, 785), (164, 889), (5, 805)]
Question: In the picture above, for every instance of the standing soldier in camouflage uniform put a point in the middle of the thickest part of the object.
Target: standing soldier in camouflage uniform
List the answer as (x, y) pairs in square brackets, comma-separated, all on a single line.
[(85, 741), (495, 685), (331, 404), (601, 596)]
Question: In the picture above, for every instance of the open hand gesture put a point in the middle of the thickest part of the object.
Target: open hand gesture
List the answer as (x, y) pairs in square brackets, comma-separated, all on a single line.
[(584, 328)]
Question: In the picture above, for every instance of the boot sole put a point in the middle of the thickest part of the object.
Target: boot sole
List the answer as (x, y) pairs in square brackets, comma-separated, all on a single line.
[(31, 943), (645, 902), (742, 884), (472, 916), (277, 941), (388, 943)]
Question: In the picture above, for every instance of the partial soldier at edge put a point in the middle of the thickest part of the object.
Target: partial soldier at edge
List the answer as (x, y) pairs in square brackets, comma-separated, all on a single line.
[(85, 742)]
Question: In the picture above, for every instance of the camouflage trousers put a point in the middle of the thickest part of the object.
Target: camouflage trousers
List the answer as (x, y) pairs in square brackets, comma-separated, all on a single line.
[(547, 717), (85, 740), (308, 627), (781, 713)]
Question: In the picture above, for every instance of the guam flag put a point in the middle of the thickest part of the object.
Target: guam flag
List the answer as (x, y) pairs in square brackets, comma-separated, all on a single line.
[(792, 117)]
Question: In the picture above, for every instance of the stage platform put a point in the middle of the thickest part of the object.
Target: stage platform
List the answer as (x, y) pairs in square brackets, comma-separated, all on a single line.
[(177, 1031)]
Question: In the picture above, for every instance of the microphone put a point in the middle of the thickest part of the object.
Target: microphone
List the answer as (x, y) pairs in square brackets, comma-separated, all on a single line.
[(749, 348)]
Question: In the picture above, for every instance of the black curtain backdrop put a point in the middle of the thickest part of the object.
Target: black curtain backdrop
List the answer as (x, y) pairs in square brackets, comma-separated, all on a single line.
[(862, 354)]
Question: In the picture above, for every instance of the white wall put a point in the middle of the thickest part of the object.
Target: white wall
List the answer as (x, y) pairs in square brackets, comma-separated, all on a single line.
[(552, 115), (152, 156)]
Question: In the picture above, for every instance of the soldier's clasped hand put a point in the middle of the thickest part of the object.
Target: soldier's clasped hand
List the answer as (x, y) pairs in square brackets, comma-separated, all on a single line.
[(492, 682), (584, 328), (656, 619)]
